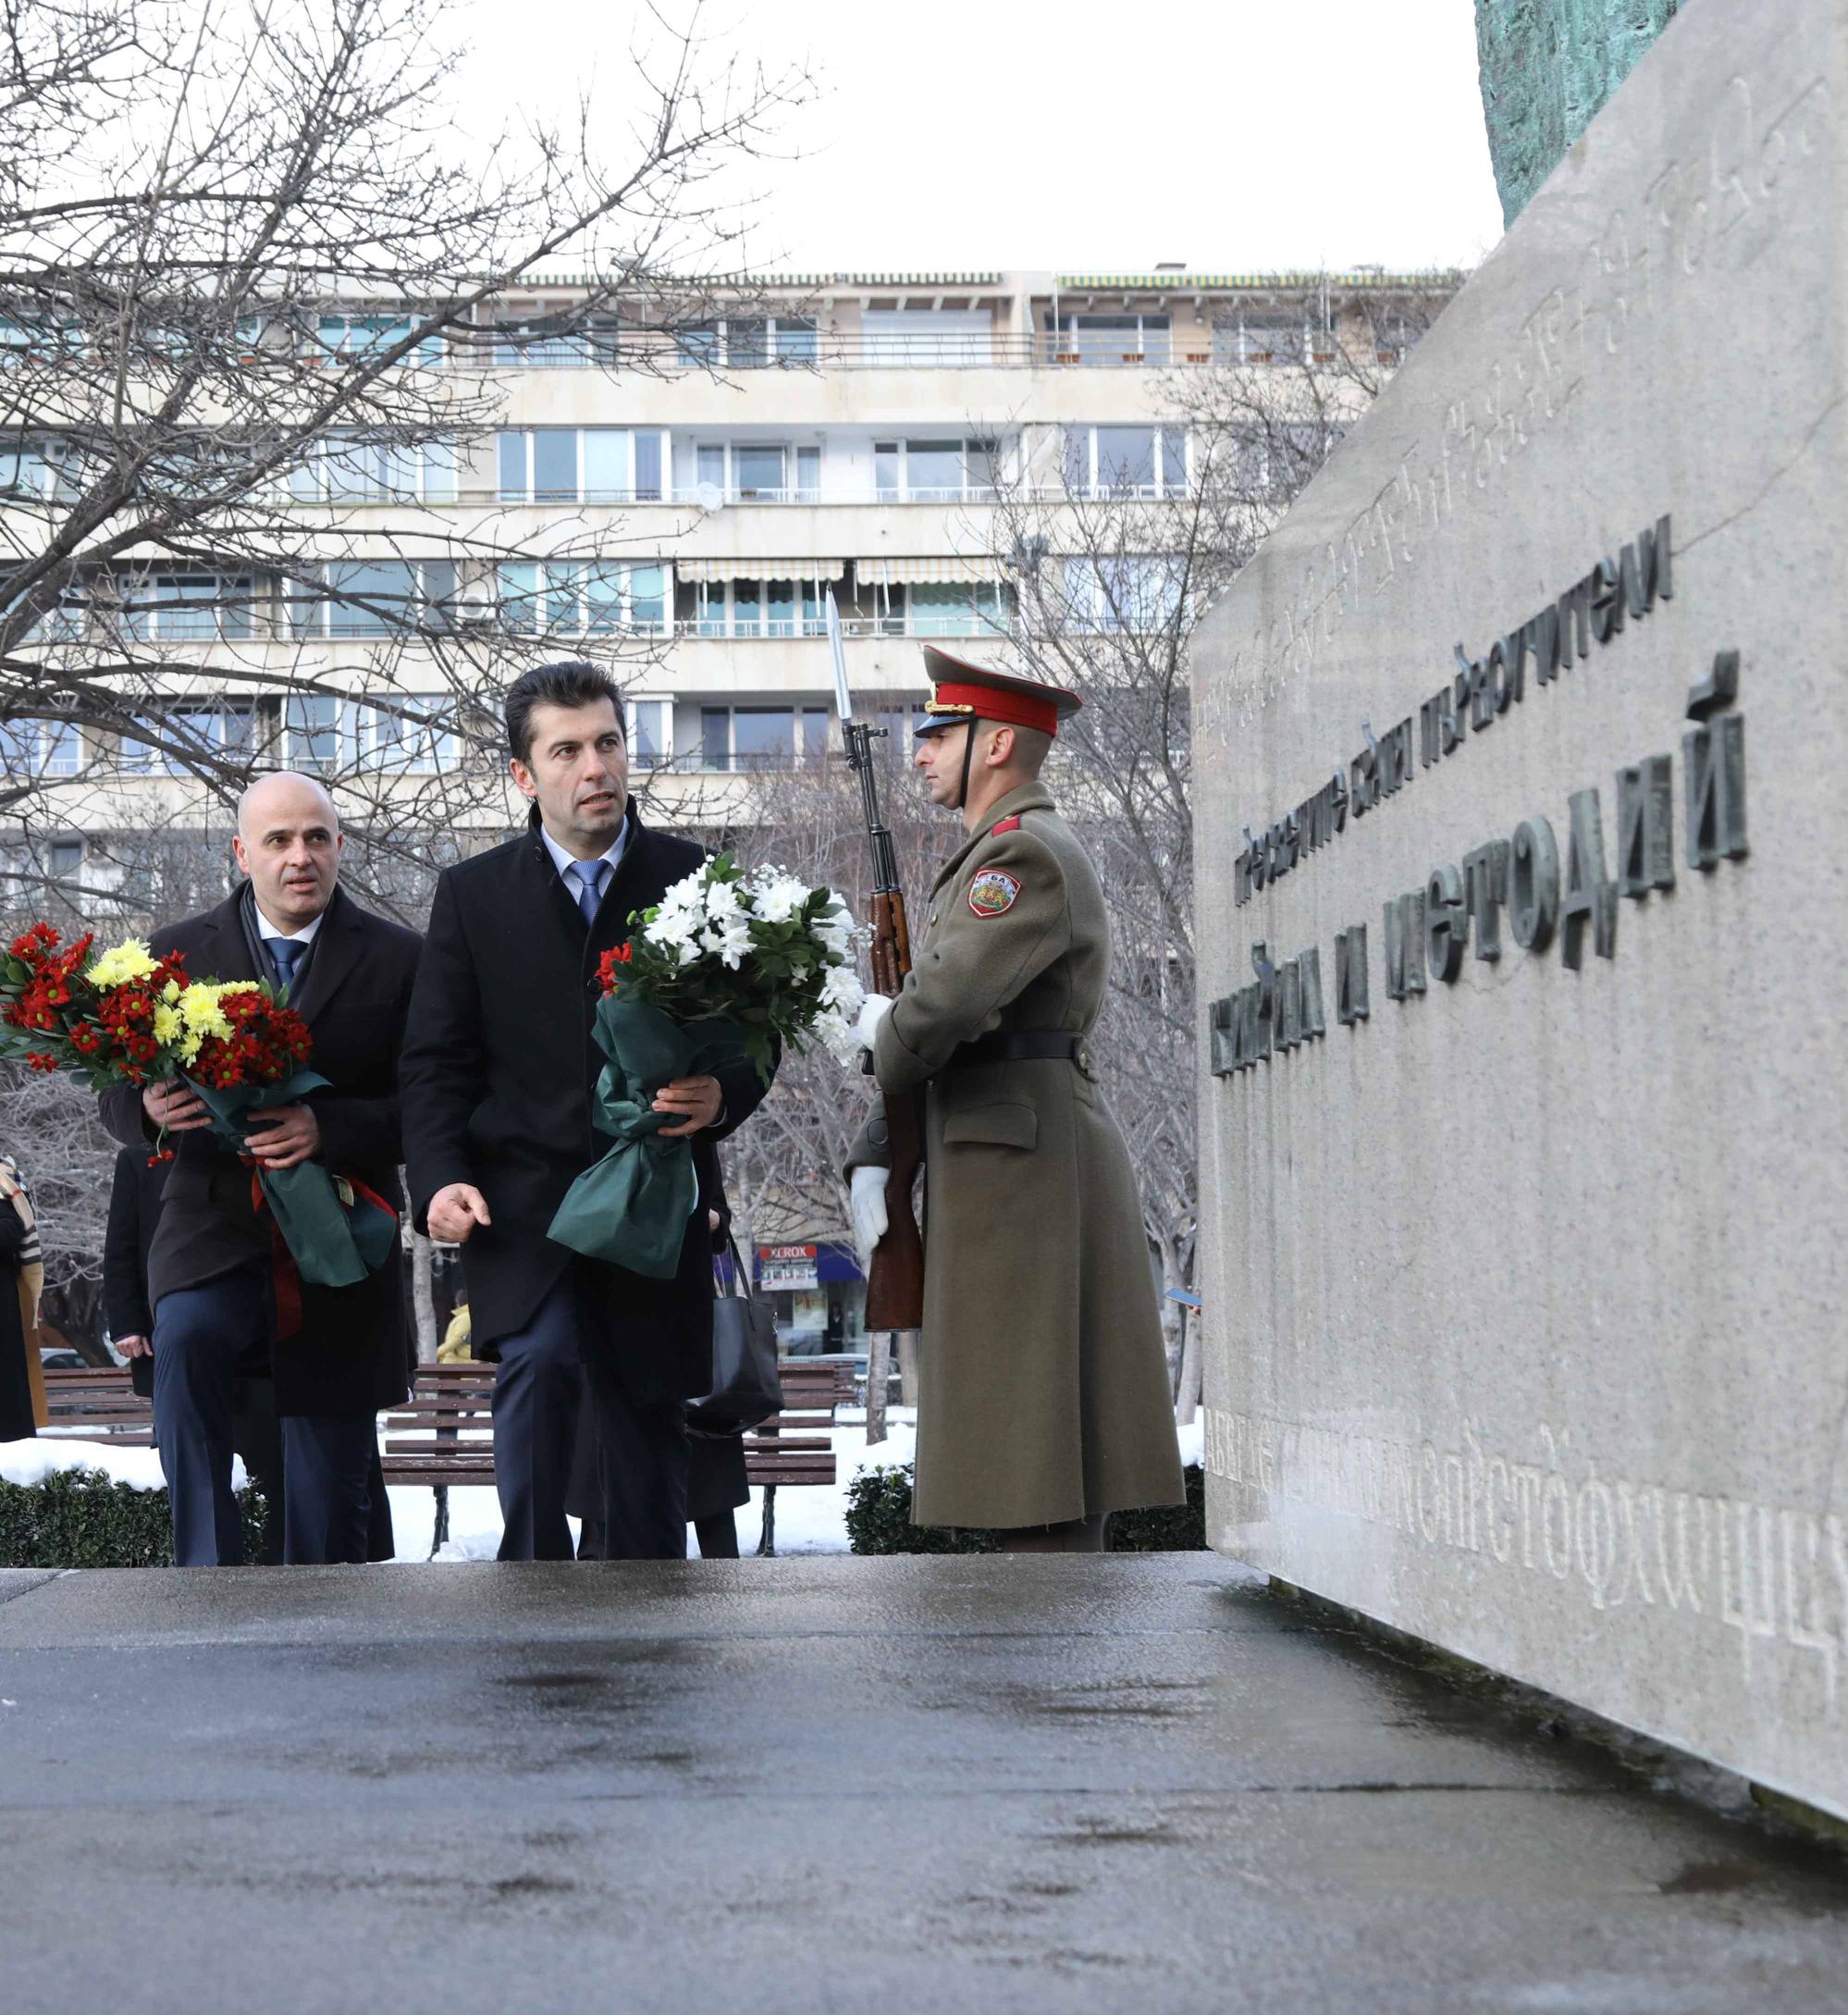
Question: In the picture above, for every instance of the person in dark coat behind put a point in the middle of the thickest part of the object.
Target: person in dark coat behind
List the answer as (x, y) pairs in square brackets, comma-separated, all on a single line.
[(716, 1479), (256, 1432), (499, 1068), (210, 1282), (19, 1275)]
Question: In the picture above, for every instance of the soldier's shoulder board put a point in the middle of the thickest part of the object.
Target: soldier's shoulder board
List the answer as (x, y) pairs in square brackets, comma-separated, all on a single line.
[(1006, 825), (992, 892)]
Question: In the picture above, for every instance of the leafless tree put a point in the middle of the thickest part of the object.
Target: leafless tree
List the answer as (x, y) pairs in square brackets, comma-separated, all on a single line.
[(785, 1168), (1115, 562), (48, 1125), (253, 346)]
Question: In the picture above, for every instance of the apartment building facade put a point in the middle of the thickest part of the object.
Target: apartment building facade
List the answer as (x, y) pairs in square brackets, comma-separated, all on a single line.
[(682, 508)]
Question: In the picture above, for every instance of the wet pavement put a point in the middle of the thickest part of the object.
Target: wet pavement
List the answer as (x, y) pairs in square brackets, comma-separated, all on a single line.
[(1122, 1784)]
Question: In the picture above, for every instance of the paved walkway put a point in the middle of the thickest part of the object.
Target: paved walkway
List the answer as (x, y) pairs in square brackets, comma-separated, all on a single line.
[(1139, 1785)]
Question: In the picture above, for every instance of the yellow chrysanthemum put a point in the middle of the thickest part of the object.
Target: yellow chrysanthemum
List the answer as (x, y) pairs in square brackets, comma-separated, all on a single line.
[(166, 1024), (201, 1016), (121, 963), (170, 992)]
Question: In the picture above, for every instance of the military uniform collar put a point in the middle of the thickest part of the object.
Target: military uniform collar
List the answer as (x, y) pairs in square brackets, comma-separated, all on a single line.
[(1033, 797)]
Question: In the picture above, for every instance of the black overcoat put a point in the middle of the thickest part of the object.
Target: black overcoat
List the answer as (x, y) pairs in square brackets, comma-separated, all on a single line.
[(497, 1074), (134, 1211), (349, 1354), (17, 1423)]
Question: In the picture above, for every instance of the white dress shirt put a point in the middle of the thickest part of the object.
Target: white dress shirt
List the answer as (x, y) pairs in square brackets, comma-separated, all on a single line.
[(611, 856), (304, 936)]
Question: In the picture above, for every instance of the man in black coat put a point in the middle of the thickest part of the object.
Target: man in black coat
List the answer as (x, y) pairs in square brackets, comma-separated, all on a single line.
[(498, 1072), (211, 1278)]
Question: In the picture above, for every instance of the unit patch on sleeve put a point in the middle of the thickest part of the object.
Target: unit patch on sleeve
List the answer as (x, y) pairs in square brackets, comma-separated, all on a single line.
[(992, 892)]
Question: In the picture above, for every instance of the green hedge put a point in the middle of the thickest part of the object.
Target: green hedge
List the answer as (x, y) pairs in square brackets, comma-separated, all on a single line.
[(79, 1518), (878, 1521)]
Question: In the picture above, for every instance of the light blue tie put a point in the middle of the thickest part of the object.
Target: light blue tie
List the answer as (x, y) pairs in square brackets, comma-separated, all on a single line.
[(589, 875), (285, 953)]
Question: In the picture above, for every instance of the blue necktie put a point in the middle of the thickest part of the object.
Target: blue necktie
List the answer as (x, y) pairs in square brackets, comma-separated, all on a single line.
[(285, 953), (589, 875)]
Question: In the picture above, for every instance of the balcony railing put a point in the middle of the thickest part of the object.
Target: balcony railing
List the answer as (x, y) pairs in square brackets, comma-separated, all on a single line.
[(708, 497), (901, 351), (932, 623)]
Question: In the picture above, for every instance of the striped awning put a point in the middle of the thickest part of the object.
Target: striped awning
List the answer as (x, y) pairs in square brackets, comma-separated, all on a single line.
[(761, 570), (936, 567)]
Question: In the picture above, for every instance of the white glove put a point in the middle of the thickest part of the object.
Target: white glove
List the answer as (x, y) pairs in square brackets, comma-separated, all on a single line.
[(873, 1010), (869, 1207)]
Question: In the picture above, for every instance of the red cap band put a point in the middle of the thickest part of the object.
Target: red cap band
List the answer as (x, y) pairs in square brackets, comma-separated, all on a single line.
[(992, 703)]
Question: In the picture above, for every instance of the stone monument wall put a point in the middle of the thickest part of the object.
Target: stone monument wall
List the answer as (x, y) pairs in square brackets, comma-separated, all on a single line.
[(1523, 856)]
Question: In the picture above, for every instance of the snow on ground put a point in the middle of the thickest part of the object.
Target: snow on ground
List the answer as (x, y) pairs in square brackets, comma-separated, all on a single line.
[(31, 1462), (809, 1518)]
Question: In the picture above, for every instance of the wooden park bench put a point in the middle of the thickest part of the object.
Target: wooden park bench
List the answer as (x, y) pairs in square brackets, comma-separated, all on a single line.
[(98, 1403), (443, 1434)]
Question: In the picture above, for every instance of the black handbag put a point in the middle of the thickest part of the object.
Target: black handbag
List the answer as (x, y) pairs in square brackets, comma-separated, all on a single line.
[(746, 1388)]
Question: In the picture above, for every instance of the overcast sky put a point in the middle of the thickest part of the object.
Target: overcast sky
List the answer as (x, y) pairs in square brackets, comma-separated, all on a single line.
[(1232, 134)]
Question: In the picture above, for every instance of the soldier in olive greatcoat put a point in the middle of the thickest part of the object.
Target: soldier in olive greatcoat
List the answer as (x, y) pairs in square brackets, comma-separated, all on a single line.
[(1043, 1403)]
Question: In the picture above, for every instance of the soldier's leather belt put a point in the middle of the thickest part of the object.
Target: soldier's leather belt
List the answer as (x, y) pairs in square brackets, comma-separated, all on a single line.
[(1025, 1045)]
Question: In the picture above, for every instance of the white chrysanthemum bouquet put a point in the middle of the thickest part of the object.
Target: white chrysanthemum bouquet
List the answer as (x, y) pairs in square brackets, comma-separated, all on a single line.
[(762, 951), (726, 965)]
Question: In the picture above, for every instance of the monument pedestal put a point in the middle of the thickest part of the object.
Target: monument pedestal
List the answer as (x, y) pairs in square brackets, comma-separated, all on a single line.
[(1524, 908)]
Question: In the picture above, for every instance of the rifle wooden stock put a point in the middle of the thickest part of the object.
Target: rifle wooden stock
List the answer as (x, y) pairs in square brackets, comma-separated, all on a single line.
[(895, 1280)]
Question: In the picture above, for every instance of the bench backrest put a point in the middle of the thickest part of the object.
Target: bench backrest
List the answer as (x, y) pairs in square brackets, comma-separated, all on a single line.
[(444, 1432), (98, 1402)]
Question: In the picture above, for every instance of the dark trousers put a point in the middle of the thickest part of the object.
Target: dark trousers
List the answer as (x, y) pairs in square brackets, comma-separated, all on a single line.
[(327, 1461), (199, 1335), (559, 1361)]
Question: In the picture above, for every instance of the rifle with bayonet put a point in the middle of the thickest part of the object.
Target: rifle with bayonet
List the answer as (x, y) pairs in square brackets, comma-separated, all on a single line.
[(896, 1279)]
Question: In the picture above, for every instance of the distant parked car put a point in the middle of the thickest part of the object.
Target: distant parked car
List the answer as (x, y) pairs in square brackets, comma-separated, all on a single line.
[(60, 1360)]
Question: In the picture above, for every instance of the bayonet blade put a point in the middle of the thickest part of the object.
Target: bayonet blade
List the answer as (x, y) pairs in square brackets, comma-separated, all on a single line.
[(843, 699)]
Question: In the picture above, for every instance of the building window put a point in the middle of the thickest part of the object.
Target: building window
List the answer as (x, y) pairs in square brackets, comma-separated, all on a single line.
[(370, 334), (40, 748), (65, 858), (170, 607), (311, 732), (38, 469), (547, 343), (956, 608), (63, 622), (580, 597), (750, 343), (1111, 340), (921, 338), (374, 597), (209, 731), (345, 469), (758, 472), (1264, 334), (1126, 461), (760, 738), (935, 471), (572, 465), (649, 731), (399, 734), (135, 756), (747, 608), (1139, 594)]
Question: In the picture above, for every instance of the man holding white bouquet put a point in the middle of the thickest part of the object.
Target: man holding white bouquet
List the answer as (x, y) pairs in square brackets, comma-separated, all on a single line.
[(500, 1075)]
